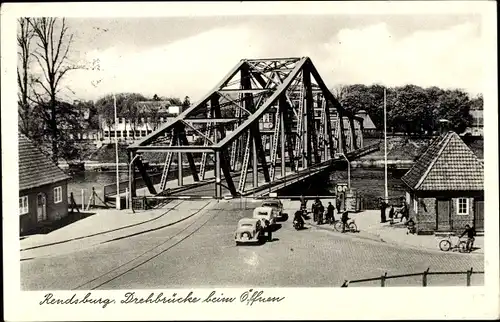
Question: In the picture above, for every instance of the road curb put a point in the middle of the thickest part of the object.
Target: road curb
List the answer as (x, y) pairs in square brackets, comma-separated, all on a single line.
[(99, 233), (389, 241), (374, 238), (135, 234)]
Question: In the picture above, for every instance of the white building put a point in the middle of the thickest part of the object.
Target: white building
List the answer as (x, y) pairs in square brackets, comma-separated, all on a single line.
[(151, 115)]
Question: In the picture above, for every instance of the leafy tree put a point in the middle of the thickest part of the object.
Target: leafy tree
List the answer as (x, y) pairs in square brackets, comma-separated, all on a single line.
[(454, 105), (174, 101), (186, 103), (126, 107), (410, 108), (477, 102)]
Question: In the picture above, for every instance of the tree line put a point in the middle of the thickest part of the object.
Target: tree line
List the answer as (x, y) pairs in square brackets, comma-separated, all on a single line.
[(44, 48), (411, 109)]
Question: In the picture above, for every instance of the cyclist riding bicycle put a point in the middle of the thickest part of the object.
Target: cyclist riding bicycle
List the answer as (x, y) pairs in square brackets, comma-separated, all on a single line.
[(470, 237), (298, 217)]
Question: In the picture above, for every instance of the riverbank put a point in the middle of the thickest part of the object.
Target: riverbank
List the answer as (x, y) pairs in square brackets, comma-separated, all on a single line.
[(402, 152)]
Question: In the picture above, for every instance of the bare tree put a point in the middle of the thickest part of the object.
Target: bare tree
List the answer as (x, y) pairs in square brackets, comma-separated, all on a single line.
[(53, 43), (25, 35), (340, 92)]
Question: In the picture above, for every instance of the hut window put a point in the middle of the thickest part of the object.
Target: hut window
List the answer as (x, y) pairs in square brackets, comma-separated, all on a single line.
[(462, 206), (23, 205), (57, 194)]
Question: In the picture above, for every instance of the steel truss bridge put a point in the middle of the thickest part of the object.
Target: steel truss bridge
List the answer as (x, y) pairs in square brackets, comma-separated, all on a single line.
[(268, 123)]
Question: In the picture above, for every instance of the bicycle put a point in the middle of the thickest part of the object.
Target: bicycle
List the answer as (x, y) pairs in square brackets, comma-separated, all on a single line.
[(350, 226), (446, 244)]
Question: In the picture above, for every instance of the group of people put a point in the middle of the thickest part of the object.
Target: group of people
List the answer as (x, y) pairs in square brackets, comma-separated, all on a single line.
[(318, 211), (404, 211)]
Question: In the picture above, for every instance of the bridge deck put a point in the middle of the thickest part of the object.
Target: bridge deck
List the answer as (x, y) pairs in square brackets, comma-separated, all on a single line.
[(206, 187)]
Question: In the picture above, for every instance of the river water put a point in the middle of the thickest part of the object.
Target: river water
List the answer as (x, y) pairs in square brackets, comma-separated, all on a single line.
[(369, 183)]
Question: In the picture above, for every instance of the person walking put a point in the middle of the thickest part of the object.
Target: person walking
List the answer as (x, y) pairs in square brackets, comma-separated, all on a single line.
[(330, 218)]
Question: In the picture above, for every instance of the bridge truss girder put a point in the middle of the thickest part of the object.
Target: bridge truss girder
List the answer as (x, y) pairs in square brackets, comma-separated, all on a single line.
[(290, 93)]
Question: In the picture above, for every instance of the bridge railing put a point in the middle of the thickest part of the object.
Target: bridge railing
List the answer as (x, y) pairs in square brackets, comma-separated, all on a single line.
[(424, 275), (110, 189)]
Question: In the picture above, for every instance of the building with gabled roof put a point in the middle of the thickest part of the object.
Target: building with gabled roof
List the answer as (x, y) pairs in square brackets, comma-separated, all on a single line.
[(43, 188), (445, 187), (368, 124)]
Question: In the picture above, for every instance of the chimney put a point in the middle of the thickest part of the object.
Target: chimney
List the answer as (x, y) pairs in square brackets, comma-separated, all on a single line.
[(444, 126)]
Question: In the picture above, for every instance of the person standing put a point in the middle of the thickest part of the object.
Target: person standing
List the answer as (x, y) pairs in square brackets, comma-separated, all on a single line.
[(303, 202), (329, 211), (391, 214), (321, 211), (338, 203), (383, 207), (345, 218), (314, 210)]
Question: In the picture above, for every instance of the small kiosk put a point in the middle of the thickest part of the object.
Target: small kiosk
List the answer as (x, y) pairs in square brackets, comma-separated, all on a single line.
[(349, 199)]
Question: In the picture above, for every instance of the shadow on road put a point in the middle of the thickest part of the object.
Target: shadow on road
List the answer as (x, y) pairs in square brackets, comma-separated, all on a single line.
[(284, 217), (50, 226), (275, 227)]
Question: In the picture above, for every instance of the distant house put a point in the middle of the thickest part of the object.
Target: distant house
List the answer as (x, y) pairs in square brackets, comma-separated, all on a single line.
[(445, 188), (368, 125), (476, 128), (43, 192)]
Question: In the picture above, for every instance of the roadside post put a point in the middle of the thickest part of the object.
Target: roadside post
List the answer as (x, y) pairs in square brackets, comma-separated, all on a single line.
[(83, 200)]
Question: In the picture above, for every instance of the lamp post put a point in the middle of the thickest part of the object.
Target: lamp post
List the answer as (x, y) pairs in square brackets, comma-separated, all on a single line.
[(118, 199), (348, 171)]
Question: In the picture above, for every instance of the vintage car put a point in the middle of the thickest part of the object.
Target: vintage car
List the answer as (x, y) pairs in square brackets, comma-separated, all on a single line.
[(266, 215), (276, 205), (249, 231)]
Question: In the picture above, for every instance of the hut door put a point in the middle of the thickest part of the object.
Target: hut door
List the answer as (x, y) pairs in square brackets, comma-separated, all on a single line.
[(41, 207), (479, 214), (443, 215)]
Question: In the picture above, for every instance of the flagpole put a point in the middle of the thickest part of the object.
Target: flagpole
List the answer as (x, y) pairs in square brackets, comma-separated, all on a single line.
[(118, 199), (385, 145)]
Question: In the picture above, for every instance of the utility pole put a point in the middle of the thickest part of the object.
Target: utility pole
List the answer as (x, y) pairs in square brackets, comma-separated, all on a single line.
[(385, 145)]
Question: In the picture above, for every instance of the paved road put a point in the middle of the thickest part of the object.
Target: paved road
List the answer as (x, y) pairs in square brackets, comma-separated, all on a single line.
[(201, 252)]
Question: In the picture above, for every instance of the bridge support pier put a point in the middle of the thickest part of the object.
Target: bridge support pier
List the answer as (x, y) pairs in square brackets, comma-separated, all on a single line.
[(179, 169)]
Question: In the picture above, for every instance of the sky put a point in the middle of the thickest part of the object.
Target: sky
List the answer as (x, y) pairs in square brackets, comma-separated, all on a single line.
[(187, 56)]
